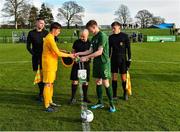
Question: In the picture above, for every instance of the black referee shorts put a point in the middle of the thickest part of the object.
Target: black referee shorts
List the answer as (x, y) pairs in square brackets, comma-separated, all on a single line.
[(118, 67), (75, 68), (35, 61)]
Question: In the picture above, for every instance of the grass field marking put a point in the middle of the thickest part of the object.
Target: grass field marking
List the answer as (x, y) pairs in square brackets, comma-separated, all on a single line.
[(138, 61), (158, 62), (14, 62)]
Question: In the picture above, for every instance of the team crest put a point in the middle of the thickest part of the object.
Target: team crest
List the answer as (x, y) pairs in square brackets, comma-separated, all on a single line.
[(121, 43)]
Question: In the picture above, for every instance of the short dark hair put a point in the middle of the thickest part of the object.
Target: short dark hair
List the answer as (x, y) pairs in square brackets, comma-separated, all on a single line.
[(55, 25), (116, 23), (39, 18), (91, 23)]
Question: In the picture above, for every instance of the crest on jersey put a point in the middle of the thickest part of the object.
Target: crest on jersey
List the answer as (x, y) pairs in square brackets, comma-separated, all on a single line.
[(121, 43)]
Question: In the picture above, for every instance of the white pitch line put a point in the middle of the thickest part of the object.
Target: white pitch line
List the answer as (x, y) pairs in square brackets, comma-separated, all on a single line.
[(14, 62), (158, 62), (138, 61)]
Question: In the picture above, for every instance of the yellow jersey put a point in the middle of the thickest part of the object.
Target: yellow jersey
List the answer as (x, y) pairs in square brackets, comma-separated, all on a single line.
[(50, 54)]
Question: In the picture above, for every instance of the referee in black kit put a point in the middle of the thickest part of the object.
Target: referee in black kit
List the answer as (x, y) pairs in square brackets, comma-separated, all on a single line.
[(120, 52), (80, 45), (35, 48)]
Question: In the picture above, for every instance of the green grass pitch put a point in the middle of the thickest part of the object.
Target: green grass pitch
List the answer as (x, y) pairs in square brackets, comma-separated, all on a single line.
[(154, 105)]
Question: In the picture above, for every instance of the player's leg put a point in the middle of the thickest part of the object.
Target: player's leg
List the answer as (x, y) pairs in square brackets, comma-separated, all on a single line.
[(114, 71), (114, 85), (74, 87), (123, 78), (99, 94), (85, 91), (47, 97), (41, 88), (52, 104), (41, 84), (109, 94), (123, 71), (35, 62), (99, 91), (48, 79)]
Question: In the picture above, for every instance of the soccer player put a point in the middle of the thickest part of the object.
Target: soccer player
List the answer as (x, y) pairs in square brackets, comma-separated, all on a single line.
[(35, 48), (120, 53), (80, 45), (49, 65), (101, 64)]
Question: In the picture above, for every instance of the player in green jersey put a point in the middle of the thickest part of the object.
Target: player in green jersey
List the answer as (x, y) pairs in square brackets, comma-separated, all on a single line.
[(99, 52)]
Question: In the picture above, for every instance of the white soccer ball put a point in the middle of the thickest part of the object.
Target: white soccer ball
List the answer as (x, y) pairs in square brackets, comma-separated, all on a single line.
[(87, 116)]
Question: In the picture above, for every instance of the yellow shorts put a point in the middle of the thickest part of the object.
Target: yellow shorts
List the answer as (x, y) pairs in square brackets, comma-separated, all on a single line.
[(49, 77)]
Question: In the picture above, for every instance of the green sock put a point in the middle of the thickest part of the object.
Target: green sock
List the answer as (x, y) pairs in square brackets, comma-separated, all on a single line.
[(99, 93), (109, 94)]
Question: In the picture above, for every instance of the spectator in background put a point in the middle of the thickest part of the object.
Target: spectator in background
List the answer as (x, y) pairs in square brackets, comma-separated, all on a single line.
[(134, 35), (140, 37)]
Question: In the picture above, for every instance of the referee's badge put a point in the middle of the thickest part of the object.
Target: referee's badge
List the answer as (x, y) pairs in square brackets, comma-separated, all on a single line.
[(121, 43)]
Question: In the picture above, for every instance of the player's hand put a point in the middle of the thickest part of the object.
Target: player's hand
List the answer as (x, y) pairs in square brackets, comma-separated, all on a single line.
[(84, 59), (76, 54), (128, 63), (72, 56)]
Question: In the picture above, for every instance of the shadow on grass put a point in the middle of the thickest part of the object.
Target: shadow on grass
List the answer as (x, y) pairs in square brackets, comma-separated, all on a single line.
[(16, 97), (20, 98)]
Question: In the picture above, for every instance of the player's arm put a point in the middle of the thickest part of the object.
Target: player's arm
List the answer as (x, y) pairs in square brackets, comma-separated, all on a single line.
[(128, 51), (28, 45), (110, 47), (99, 52), (128, 48), (54, 48), (95, 54), (87, 52)]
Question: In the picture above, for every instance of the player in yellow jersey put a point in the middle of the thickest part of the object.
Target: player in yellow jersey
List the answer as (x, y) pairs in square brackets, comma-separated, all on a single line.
[(49, 65)]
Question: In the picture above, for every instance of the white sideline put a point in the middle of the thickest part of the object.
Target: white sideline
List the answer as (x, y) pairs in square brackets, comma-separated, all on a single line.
[(157, 62), (14, 62), (139, 61)]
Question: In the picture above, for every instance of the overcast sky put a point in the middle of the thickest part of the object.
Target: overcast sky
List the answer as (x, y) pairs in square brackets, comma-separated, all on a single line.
[(103, 10)]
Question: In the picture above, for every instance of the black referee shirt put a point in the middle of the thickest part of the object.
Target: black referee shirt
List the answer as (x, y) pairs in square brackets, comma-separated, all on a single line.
[(119, 45), (35, 39), (80, 46)]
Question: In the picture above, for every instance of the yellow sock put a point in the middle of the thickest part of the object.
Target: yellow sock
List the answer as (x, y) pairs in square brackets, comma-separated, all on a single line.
[(51, 93), (47, 96)]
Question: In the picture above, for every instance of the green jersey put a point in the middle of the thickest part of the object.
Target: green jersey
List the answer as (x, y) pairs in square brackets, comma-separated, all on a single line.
[(98, 40), (101, 64)]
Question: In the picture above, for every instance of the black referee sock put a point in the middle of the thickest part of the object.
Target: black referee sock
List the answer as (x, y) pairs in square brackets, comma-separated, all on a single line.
[(74, 89), (41, 88), (85, 90), (124, 87), (114, 87)]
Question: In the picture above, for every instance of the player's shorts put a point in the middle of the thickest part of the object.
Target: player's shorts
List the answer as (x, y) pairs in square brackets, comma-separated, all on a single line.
[(118, 67), (35, 61), (49, 77), (102, 70), (75, 68)]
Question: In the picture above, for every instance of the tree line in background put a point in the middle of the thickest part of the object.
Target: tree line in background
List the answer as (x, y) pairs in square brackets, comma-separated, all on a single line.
[(24, 14)]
